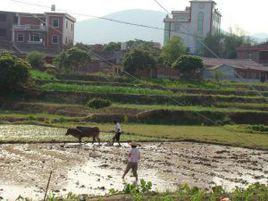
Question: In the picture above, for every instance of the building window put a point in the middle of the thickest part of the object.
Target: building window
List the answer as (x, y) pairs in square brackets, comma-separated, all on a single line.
[(20, 37), (72, 26), (56, 23), (67, 24), (3, 18), (35, 38), (3, 32), (257, 75), (200, 23), (55, 39), (177, 27), (16, 19)]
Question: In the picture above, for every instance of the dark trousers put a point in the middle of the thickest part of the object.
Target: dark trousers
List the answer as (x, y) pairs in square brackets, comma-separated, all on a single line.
[(116, 137)]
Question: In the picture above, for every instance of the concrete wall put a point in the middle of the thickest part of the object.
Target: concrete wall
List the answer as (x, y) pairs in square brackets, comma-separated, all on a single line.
[(239, 75), (55, 31), (222, 73), (26, 20), (68, 32), (189, 25), (7, 26)]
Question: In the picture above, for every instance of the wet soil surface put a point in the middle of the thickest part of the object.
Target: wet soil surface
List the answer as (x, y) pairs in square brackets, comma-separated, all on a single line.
[(87, 169)]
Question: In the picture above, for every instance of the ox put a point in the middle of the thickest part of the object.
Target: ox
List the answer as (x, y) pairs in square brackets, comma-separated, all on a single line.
[(81, 132)]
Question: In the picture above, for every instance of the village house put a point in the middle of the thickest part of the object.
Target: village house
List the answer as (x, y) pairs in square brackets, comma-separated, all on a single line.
[(193, 24), (240, 70), (103, 61), (258, 53), (48, 32)]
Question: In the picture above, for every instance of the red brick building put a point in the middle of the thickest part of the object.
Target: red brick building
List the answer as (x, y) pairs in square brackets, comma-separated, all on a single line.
[(48, 32), (258, 53)]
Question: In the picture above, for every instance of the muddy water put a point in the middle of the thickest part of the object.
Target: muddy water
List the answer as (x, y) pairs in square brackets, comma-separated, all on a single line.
[(87, 169)]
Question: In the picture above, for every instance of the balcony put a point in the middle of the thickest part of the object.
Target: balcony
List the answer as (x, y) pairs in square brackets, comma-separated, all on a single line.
[(29, 27)]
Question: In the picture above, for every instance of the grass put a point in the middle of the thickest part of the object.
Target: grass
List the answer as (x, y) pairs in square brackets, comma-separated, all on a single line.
[(102, 89), (177, 107), (261, 129), (143, 192), (73, 88), (251, 106), (218, 135), (139, 132), (184, 84), (63, 110), (150, 86), (39, 75), (225, 85), (42, 134)]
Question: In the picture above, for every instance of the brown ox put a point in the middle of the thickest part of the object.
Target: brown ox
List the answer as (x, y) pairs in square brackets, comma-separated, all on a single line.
[(81, 132)]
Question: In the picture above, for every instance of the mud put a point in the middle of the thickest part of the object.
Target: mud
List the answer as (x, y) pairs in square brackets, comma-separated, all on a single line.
[(87, 169)]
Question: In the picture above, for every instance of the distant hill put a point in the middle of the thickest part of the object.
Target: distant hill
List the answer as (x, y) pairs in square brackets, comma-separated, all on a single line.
[(260, 37), (101, 31), (94, 31)]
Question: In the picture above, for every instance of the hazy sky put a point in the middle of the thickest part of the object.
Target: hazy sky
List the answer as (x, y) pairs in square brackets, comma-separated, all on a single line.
[(249, 15)]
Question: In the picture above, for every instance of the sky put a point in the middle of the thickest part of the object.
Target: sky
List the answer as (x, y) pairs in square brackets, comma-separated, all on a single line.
[(251, 16)]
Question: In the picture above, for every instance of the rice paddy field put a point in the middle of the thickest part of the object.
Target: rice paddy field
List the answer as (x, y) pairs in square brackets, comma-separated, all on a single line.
[(210, 125), (212, 112)]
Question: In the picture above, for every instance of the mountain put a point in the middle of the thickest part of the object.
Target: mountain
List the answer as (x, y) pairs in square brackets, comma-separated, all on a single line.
[(260, 37), (102, 31)]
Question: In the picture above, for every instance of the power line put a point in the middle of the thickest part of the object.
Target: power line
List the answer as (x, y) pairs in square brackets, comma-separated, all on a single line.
[(163, 7), (105, 18), (213, 53), (174, 100), (146, 26)]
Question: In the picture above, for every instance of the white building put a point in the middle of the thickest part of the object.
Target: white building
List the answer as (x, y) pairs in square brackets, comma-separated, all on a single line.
[(193, 24)]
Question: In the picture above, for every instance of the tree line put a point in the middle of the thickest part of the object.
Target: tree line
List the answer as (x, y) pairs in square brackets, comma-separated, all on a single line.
[(139, 55)]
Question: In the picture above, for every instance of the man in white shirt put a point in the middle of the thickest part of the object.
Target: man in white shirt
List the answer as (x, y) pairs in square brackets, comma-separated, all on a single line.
[(118, 132), (133, 160)]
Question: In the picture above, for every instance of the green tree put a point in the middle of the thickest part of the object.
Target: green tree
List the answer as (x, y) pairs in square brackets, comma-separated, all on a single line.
[(73, 58), (172, 51), (35, 58), (190, 67), (224, 45), (138, 59), (215, 44), (148, 46), (232, 41), (111, 47), (14, 73)]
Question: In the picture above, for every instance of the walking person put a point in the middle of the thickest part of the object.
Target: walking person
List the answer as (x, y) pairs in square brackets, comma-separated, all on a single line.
[(133, 160), (118, 132)]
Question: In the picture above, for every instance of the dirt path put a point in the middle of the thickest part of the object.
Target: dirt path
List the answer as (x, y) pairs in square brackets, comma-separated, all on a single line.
[(91, 169)]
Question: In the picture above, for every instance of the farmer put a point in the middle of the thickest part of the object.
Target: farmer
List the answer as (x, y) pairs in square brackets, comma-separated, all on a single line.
[(118, 132), (133, 160)]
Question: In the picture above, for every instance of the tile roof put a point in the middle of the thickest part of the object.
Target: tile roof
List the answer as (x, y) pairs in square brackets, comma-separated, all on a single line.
[(235, 63)]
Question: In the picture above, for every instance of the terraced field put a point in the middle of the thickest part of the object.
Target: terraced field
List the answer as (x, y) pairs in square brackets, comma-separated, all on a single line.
[(198, 132), (61, 101)]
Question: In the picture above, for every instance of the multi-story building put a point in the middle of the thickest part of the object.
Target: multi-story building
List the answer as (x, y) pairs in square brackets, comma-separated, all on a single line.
[(193, 24), (258, 53), (25, 32)]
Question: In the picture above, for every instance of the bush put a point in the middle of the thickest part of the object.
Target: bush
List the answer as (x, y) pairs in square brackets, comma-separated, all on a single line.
[(190, 67), (14, 73), (98, 103), (172, 50), (39, 75), (138, 59), (73, 59), (35, 58), (258, 128)]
